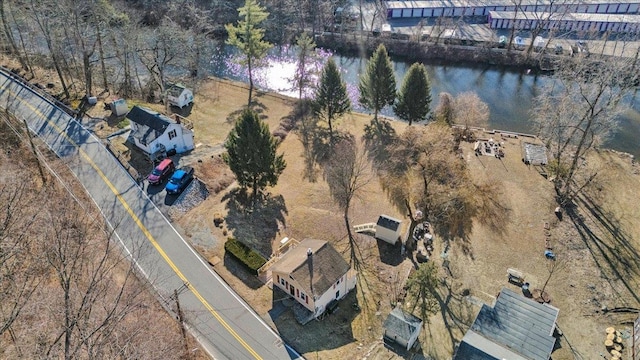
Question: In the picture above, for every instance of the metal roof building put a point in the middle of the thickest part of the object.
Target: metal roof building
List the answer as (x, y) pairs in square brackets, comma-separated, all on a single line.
[(564, 22), (456, 8), (515, 328)]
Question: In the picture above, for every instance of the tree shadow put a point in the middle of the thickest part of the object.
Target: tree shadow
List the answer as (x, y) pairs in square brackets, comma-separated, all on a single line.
[(256, 106), (182, 111), (609, 244), (330, 331), (378, 135), (457, 313), (255, 222)]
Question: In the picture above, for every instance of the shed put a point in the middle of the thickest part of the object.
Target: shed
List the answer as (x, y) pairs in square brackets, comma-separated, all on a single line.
[(402, 328), (119, 107), (515, 328), (388, 229), (179, 96), (534, 154)]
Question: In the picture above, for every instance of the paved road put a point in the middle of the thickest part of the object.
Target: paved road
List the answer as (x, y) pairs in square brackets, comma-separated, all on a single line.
[(221, 320)]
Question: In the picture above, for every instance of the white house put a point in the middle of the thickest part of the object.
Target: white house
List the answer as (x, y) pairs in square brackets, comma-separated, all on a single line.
[(156, 133), (388, 229), (179, 96), (314, 274)]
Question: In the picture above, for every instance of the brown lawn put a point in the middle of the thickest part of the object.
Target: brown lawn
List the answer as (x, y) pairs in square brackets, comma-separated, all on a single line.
[(597, 247)]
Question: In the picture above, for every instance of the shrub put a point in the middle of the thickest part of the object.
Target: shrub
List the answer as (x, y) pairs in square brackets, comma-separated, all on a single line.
[(251, 259)]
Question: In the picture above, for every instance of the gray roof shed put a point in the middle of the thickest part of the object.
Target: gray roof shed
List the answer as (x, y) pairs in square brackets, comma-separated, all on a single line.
[(402, 324), (534, 154), (514, 328)]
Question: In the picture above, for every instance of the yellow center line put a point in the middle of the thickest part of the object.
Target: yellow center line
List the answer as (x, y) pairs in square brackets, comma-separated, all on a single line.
[(137, 220)]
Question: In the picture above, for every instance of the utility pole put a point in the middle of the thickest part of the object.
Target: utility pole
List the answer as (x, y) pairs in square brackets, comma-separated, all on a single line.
[(35, 153), (183, 331)]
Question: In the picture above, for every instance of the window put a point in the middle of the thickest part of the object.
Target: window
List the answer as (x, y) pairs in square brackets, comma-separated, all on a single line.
[(172, 134), (303, 296), (282, 281), (338, 294)]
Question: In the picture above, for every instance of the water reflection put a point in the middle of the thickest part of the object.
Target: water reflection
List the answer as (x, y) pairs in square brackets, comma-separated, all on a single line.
[(509, 94)]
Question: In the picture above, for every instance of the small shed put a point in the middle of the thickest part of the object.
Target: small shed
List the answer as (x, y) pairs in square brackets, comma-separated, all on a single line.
[(534, 154), (388, 229), (402, 328), (179, 96), (119, 107)]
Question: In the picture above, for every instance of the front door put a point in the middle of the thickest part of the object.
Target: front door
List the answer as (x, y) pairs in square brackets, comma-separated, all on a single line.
[(292, 290)]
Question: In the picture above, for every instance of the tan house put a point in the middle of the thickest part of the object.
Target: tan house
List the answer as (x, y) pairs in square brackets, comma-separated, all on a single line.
[(314, 274)]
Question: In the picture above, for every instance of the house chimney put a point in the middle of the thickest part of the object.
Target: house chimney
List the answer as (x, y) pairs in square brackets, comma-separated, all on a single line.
[(310, 262)]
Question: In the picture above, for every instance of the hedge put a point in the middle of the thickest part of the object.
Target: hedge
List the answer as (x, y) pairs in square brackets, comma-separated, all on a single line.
[(251, 259)]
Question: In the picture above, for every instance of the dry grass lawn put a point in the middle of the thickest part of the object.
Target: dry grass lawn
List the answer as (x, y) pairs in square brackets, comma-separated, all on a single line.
[(597, 246), (593, 272)]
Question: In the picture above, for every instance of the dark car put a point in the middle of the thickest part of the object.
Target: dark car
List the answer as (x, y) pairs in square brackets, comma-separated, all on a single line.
[(179, 181), (161, 172)]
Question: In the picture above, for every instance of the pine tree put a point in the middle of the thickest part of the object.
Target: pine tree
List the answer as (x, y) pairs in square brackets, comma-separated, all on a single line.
[(331, 100), (251, 153), (378, 83), (249, 38), (306, 54), (414, 98)]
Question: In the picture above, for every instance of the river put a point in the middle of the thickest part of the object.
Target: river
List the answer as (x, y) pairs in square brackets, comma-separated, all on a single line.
[(508, 94)]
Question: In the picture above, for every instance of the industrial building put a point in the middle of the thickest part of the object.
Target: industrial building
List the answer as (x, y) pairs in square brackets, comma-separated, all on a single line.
[(457, 8)]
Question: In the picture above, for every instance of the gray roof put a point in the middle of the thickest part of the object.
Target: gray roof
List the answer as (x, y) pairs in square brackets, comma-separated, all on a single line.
[(402, 323), (327, 266), (534, 154), (388, 222), (150, 123), (515, 328), (175, 90)]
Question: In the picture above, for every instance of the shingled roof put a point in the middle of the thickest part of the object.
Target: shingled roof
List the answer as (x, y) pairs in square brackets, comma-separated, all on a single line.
[(514, 328), (150, 123), (402, 323), (327, 265)]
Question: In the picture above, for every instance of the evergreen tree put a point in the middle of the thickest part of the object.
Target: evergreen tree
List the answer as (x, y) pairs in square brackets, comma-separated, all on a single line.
[(306, 54), (251, 153), (331, 99), (249, 37), (422, 288), (414, 98), (378, 83)]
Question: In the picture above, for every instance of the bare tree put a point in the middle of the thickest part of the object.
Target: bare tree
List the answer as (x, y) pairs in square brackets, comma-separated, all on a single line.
[(18, 279), (422, 172), (47, 17), (159, 48), (347, 172), (469, 110), (577, 112)]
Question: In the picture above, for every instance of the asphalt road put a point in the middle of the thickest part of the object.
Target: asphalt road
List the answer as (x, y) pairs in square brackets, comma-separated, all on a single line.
[(221, 321)]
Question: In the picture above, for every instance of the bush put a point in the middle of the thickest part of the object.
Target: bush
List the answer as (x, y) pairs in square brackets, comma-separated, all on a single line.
[(251, 259), (123, 124)]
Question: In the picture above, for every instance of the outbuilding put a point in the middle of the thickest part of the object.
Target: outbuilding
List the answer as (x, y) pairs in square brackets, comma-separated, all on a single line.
[(402, 328), (179, 96), (388, 229)]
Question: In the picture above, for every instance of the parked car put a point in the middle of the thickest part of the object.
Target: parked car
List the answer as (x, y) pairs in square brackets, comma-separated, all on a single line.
[(161, 172), (179, 181)]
